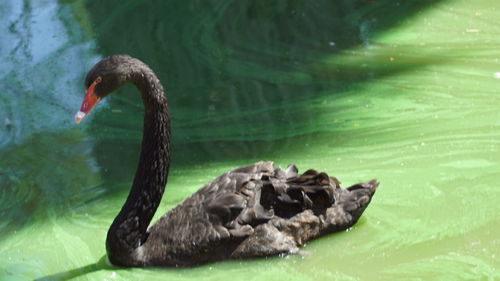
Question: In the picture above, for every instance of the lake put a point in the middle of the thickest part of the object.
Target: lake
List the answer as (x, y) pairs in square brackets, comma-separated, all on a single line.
[(405, 92)]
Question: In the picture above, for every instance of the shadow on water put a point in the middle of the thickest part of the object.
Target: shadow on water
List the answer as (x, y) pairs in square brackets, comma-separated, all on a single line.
[(77, 272), (239, 76)]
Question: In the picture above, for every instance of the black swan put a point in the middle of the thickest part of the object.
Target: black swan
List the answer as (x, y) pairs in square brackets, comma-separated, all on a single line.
[(253, 211)]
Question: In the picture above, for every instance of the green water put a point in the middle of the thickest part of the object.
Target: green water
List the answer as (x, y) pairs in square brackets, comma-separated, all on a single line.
[(405, 92)]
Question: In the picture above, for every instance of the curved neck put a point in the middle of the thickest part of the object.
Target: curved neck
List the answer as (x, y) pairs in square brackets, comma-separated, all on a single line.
[(128, 230)]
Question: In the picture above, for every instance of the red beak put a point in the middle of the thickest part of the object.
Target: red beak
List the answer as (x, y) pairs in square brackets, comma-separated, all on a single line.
[(89, 101)]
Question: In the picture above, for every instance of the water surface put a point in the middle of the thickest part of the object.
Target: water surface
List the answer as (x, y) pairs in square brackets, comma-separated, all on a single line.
[(404, 92)]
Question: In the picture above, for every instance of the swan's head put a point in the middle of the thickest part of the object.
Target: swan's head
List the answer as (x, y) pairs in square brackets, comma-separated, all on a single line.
[(105, 77)]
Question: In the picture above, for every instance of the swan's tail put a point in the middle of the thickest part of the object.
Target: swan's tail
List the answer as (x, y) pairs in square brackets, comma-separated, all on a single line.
[(352, 202)]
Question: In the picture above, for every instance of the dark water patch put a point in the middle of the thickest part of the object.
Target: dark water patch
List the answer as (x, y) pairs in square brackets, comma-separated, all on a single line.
[(37, 179), (241, 70)]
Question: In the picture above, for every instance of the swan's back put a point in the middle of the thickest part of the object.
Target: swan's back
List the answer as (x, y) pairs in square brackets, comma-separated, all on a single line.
[(253, 211)]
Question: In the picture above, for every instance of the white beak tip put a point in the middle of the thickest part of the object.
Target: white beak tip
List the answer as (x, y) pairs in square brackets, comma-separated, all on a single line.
[(79, 116)]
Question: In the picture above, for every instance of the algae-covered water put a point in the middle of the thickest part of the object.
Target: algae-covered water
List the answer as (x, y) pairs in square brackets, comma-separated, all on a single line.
[(402, 91)]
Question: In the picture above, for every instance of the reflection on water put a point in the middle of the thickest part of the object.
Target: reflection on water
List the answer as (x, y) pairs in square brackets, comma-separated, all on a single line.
[(40, 65), (38, 147), (404, 92)]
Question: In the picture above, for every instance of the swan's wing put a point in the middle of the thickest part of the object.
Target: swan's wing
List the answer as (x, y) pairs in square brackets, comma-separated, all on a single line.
[(305, 210)]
